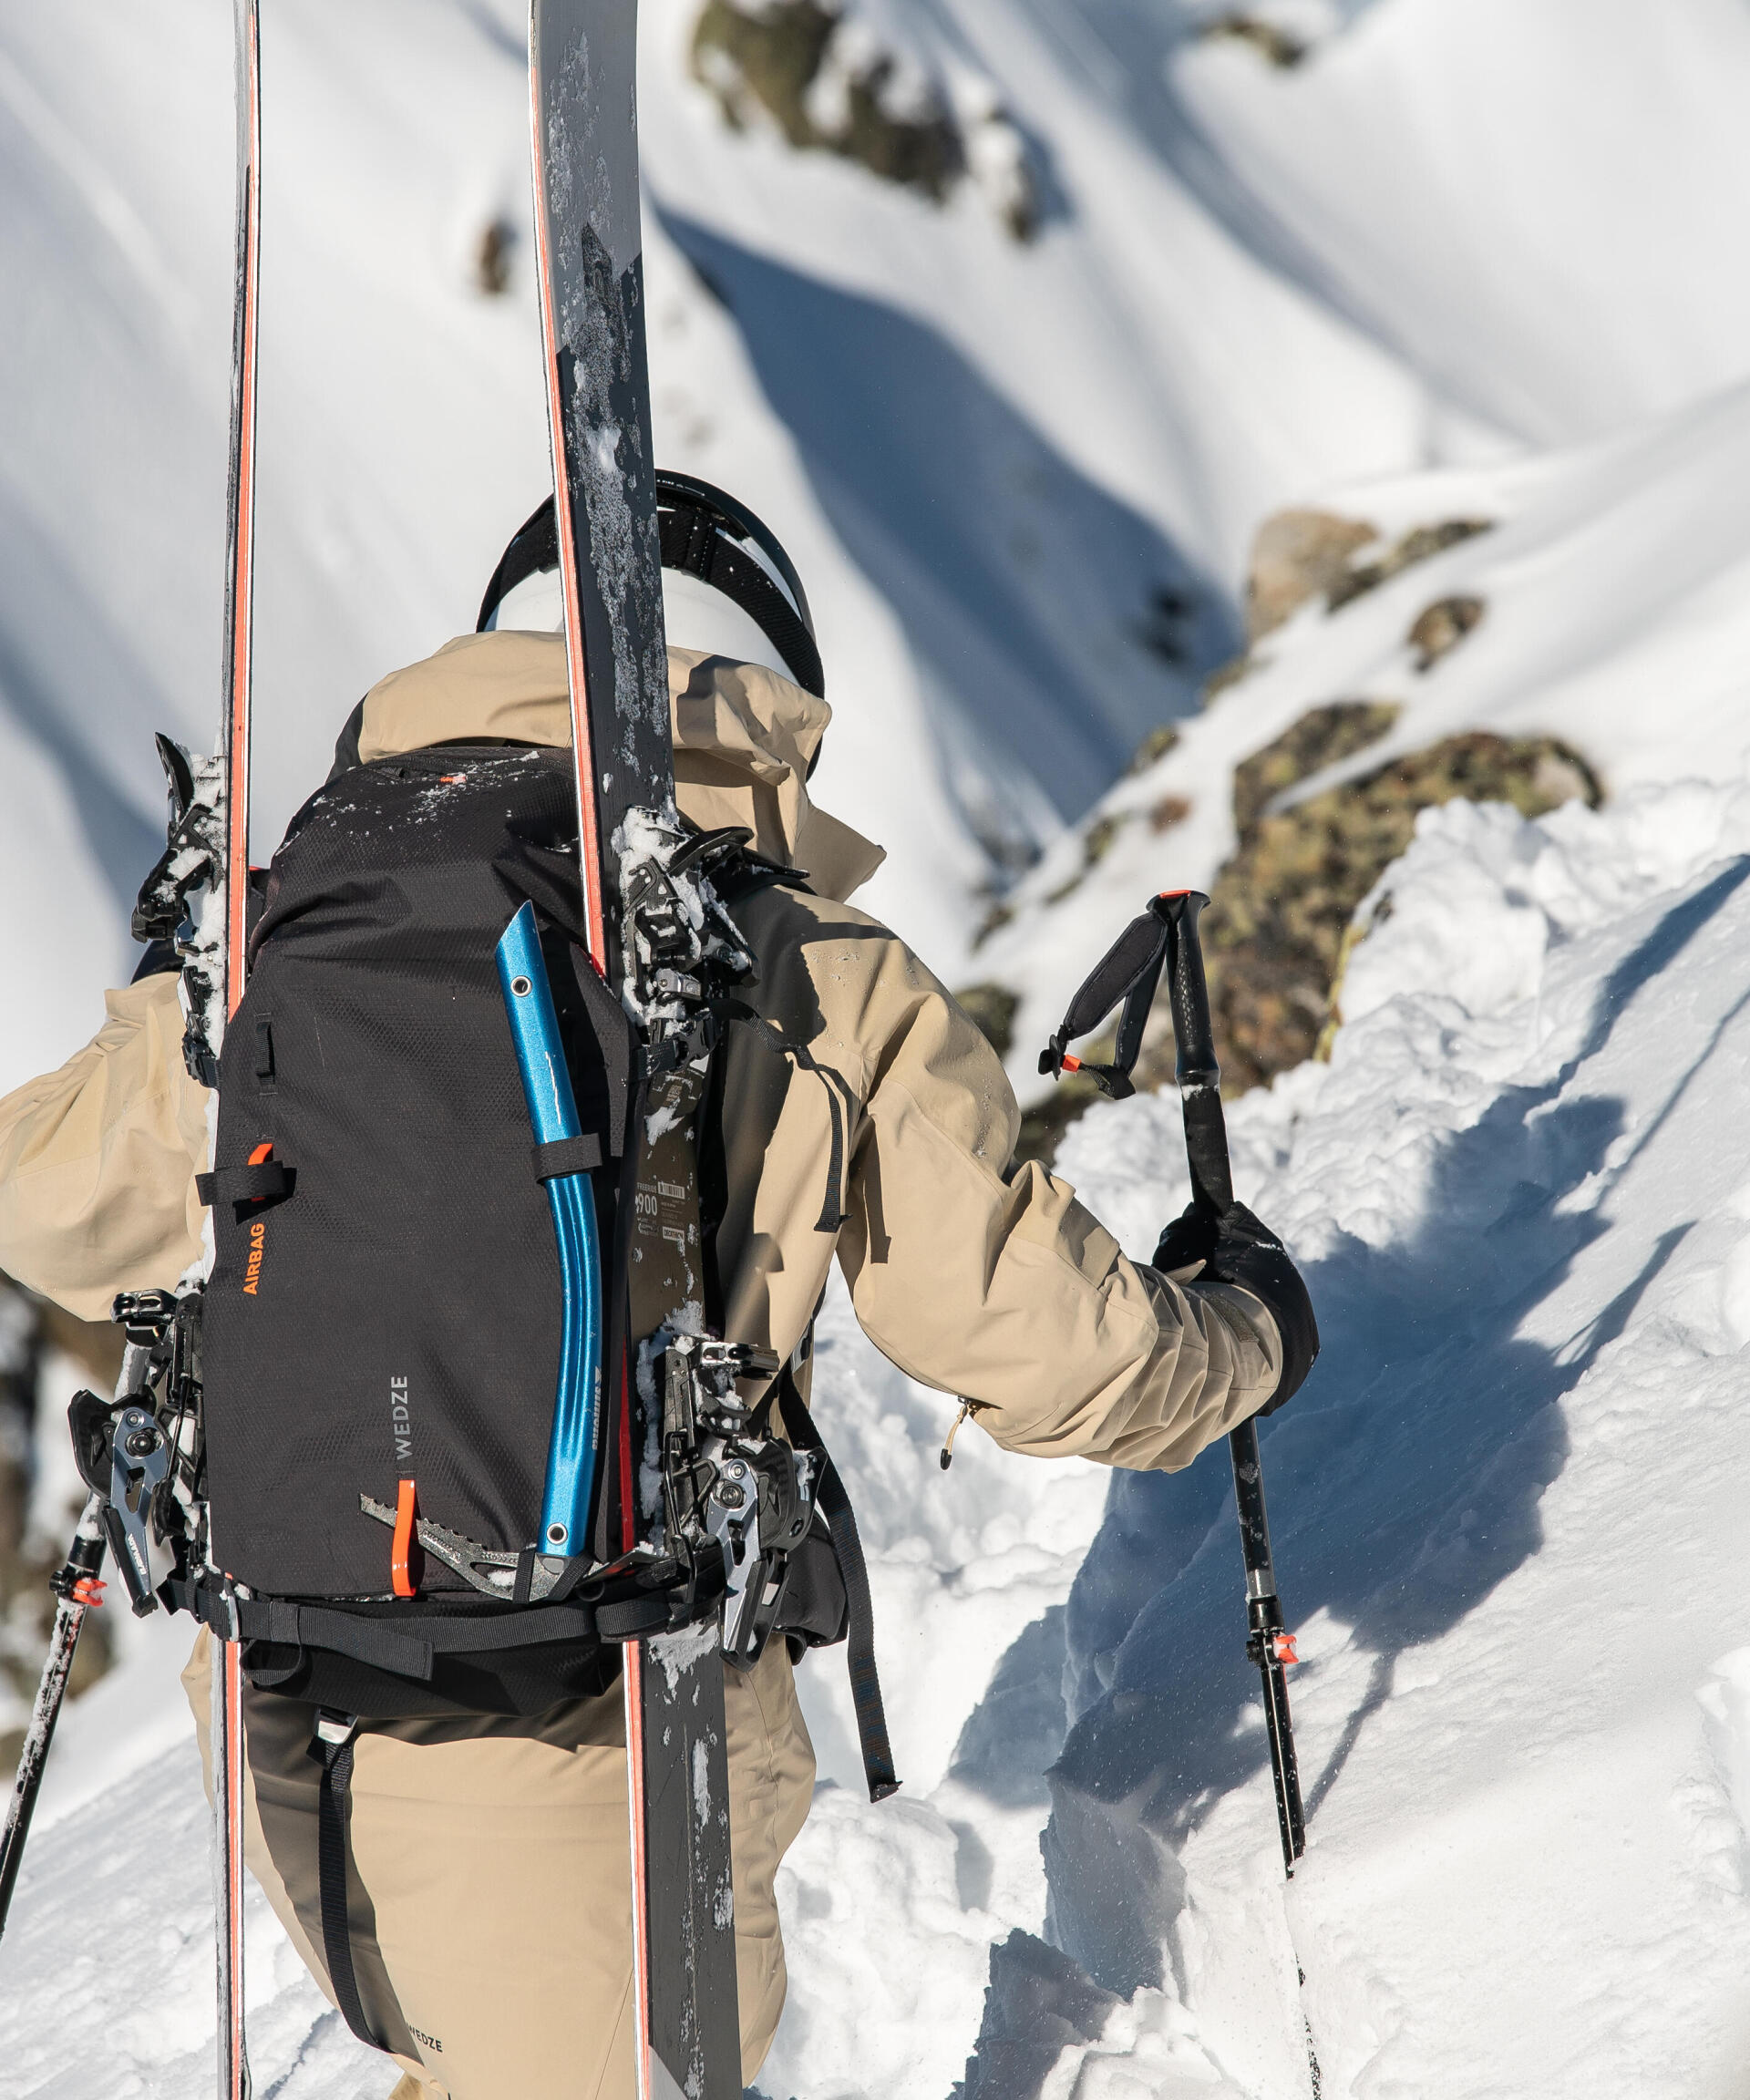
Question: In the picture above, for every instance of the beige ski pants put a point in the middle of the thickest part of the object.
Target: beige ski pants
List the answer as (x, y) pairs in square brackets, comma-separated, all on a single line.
[(491, 1908)]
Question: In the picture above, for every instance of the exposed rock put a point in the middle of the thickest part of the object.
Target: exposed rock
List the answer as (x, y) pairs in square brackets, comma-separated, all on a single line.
[(1279, 908), (772, 57), (1419, 545), (492, 259), (993, 922), (991, 1007), (1169, 810), (1007, 168), (821, 76), (1297, 555), (1441, 626), (1319, 738), (1277, 45), (1227, 675), (1156, 744), (1044, 1123), (1097, 843)]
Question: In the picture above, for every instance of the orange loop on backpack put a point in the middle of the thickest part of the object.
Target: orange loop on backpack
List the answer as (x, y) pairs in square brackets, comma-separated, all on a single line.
[(401, 1547)]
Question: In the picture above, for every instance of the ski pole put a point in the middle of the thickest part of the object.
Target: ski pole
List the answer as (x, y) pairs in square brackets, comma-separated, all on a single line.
[(1268, 1645), (77, 1586), (76, 1589)]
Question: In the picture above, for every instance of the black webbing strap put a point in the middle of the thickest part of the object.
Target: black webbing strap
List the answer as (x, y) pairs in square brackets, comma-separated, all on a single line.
[(691, 542), (566, 1156), (860, 1610), (333, 1851), (378, 1643), (842, 1111), (245, 1184), (1129, 970)]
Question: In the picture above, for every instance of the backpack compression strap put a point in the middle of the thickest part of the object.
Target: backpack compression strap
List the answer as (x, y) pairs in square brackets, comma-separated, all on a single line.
[(860, 1610), (332, 1747)]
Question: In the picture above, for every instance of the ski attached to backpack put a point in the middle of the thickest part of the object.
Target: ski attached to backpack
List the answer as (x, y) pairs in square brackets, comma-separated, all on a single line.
[(228, 888), (662, 943), (141, 1454)]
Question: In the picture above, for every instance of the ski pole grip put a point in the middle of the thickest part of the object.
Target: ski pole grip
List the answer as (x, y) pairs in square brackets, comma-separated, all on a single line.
[(1199, 1074)]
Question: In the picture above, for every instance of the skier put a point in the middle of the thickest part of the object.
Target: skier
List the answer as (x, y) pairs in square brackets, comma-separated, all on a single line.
[(489, 1921)]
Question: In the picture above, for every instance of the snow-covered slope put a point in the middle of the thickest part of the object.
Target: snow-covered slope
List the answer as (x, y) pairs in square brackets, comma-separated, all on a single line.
[(1615, 583), (1426, 244), (1506, 1512), (1473, 262)]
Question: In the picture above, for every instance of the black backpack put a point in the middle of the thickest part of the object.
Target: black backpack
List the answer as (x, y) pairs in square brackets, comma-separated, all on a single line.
[(385, 1301)]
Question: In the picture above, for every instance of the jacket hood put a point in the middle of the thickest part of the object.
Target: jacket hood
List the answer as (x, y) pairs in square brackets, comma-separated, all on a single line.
[(744, 738)]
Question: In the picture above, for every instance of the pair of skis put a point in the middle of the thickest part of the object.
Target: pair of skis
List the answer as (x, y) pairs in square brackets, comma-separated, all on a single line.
[(636, 885)]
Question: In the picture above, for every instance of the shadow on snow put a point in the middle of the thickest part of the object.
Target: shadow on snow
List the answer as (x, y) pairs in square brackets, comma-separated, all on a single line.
[(1053, 624), (1405, 1486)]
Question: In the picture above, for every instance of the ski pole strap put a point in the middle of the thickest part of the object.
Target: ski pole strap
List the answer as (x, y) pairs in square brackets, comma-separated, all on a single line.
[(1129, 973), (333, 1747), (860, 1610)]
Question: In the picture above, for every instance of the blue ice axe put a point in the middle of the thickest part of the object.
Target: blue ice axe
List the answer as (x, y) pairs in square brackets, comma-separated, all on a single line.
[(552, 1111)]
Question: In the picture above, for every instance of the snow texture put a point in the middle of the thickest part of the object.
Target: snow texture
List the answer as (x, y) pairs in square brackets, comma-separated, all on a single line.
[(1506, 1509), (1459, 261)]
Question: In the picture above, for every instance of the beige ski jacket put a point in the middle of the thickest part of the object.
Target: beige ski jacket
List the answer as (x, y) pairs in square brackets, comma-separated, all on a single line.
[(863, 1114)]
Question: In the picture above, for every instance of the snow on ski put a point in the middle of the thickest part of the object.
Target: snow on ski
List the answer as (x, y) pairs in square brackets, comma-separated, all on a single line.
[(582, 66)]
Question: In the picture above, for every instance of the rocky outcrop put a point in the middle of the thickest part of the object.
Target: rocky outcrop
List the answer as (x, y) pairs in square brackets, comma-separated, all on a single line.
[(1323, 737), (815, 70), (1154, 746), (1280, 906), (991, 1007), (1442, 626), (1281, 47), (1297, 555), (1419, 545), (492, 253)]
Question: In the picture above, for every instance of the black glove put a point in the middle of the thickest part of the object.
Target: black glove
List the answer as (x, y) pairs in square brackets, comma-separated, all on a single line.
[(1236, 1247)]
